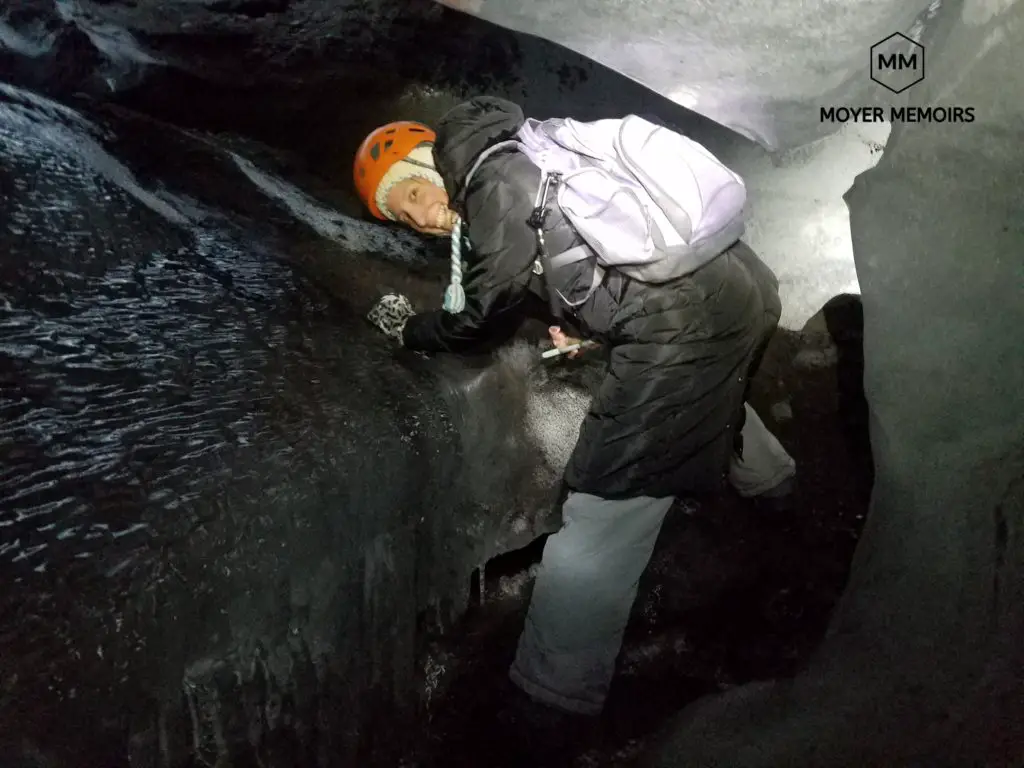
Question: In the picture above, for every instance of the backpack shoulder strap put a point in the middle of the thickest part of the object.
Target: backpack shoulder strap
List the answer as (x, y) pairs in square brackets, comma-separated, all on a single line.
[(454, 295), (491, 150)]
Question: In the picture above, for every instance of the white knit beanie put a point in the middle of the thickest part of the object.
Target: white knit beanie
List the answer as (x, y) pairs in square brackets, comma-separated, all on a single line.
[(417, 164)]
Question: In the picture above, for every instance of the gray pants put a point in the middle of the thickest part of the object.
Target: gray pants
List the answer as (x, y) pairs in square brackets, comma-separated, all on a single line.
[(588, 577)]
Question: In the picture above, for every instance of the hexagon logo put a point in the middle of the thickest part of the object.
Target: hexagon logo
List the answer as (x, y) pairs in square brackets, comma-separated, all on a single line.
[(897, 62)]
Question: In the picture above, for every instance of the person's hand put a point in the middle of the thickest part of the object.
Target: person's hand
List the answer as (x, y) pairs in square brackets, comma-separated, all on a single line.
[(561, 340), (390, 314)]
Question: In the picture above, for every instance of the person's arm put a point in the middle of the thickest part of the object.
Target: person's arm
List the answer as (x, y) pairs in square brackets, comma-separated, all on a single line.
[(496, 280)]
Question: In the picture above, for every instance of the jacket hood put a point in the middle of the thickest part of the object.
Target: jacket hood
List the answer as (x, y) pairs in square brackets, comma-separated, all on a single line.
[(466, 131)]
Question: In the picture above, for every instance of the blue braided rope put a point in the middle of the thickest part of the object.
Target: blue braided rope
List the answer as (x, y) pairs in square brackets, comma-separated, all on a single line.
[(454, 295)]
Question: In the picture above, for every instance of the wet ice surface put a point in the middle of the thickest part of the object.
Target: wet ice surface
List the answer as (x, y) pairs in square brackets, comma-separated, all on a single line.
[(118, 372), (141, 337), (131, 321), (32, 42), (117, 45), (355, 236)]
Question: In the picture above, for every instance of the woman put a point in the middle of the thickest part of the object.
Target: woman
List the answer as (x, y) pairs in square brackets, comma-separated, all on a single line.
[(665, 422)]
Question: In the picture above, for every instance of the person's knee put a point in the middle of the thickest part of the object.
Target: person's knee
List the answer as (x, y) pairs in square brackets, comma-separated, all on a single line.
[(605, 569), (568, 554)]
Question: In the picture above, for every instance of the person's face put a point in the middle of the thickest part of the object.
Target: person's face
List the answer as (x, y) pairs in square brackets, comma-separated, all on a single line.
[(421, 205)]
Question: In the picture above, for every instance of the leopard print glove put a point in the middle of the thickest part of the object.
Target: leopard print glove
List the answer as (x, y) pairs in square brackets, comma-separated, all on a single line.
[(390, 314)]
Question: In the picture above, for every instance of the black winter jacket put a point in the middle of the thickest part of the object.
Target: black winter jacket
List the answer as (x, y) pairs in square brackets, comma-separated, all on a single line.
[(664, 420)]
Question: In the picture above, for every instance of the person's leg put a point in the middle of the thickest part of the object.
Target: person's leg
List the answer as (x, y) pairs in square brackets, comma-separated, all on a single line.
[(582, 599), (764, 466)]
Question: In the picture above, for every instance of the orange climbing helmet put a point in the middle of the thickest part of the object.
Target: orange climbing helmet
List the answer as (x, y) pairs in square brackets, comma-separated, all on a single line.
[(384, 147)]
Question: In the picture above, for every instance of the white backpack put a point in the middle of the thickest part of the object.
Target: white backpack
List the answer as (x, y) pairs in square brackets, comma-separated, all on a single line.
[(649, 202)]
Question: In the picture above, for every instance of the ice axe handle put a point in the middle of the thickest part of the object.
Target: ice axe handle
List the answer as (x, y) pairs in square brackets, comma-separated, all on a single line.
[(555, 352)]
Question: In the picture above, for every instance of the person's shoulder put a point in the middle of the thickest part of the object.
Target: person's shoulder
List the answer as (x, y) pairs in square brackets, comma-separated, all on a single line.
[(509, 176)]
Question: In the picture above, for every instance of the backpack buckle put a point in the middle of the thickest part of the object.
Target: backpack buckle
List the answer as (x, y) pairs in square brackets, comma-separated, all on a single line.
[(537, 219), (540, 212)]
